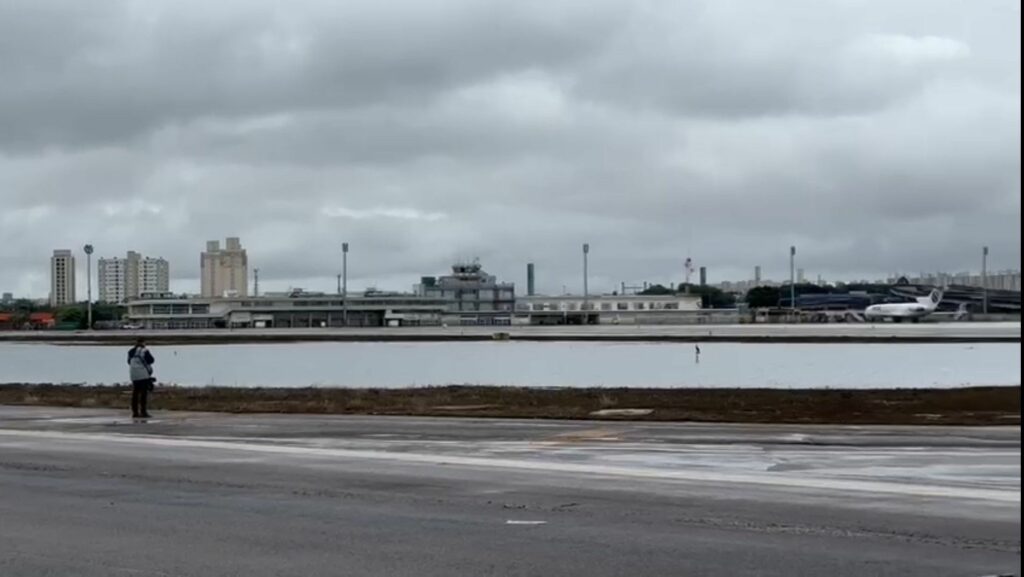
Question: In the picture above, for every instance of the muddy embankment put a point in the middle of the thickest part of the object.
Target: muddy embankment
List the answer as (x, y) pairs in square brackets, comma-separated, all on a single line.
[(963, 406)]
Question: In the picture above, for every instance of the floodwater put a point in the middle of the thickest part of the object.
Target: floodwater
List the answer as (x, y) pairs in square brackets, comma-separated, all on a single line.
[(572, 364)]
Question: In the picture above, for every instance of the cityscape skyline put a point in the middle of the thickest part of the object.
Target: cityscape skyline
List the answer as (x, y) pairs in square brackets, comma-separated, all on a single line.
[(999, 278)]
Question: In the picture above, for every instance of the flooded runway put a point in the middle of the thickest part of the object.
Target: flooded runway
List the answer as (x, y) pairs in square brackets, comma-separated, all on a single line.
[(533, 364)]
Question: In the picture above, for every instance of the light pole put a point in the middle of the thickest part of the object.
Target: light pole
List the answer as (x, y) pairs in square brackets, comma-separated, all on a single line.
[(88, 280), (984, 280), (792, 279), (586, 251), (344, 283), (586, 290)]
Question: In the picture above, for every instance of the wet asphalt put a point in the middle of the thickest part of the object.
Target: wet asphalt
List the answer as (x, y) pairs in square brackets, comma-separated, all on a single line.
[(90, 492)]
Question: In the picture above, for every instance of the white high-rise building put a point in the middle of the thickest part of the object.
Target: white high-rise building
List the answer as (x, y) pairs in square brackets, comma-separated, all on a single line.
[(113, 277), (154, 275), (124, 279), (62, 278), (225, 271)]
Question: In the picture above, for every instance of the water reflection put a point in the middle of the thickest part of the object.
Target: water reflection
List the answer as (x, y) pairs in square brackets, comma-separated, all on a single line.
[(531, 364)]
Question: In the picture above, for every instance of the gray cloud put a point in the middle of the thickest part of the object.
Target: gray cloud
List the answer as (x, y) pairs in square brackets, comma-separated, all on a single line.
[(877, 137)]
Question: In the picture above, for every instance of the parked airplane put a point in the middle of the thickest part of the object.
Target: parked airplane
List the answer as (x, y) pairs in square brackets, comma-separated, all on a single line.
[(923, 306)]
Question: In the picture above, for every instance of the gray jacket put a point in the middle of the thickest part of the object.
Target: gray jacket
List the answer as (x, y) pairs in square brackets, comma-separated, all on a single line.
[(140, 364)]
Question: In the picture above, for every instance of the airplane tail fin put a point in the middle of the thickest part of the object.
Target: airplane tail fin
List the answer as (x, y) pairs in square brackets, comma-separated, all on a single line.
[(933, 298)]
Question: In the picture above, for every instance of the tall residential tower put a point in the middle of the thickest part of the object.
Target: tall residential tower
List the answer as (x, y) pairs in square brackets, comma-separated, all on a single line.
[(62, 278), (124, 279)]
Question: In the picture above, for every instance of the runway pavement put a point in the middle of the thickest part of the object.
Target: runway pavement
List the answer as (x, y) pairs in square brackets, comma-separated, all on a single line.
[(853, 332), (89, 492)]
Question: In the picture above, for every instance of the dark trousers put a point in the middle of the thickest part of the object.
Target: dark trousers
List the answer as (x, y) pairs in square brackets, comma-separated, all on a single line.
[(140, 394)]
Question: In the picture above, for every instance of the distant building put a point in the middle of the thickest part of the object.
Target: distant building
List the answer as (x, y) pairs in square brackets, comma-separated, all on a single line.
[(741, 287), (224, 271), (124, 279), (608, 309), (1008, 280), (301, 309), (42, 320), (114, 279), (7, 298), (471, 295), (62, 278), (294, 309)]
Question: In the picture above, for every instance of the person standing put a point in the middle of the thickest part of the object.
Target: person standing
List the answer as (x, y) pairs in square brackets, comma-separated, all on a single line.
[(140, 371)]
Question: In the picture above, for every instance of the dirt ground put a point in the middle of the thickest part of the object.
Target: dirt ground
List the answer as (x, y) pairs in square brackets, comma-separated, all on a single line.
[(964, 406)]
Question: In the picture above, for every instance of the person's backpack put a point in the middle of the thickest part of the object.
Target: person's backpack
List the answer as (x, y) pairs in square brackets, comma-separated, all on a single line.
[(138, 360)]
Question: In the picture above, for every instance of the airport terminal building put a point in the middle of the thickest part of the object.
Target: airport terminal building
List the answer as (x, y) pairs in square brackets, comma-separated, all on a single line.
[(296, 310), (377, 309), (468, 296)]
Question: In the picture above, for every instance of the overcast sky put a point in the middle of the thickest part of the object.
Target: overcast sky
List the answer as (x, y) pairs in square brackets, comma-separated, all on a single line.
[(877, 136)]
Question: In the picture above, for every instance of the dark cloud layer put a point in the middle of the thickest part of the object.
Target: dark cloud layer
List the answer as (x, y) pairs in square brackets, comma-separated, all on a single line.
[(876, 136)]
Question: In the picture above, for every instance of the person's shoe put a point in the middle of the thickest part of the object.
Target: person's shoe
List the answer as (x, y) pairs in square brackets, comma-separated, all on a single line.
[(146, 416), (135, 416)]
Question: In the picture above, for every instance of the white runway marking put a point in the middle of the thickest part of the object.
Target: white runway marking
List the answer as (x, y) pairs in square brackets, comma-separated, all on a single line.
[(514, 522), (759, 478)]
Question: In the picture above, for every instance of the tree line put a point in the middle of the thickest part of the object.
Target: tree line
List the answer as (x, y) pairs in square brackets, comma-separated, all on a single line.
[(74, 316)]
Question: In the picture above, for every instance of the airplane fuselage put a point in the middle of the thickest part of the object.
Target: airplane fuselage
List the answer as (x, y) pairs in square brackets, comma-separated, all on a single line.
[(897, 310), (913, 310)]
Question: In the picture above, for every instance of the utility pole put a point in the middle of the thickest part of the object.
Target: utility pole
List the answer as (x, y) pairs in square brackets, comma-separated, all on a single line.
[(344, 283), (586, 289), (984, 280), (792, 278), (88, 280), (586, 251)]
